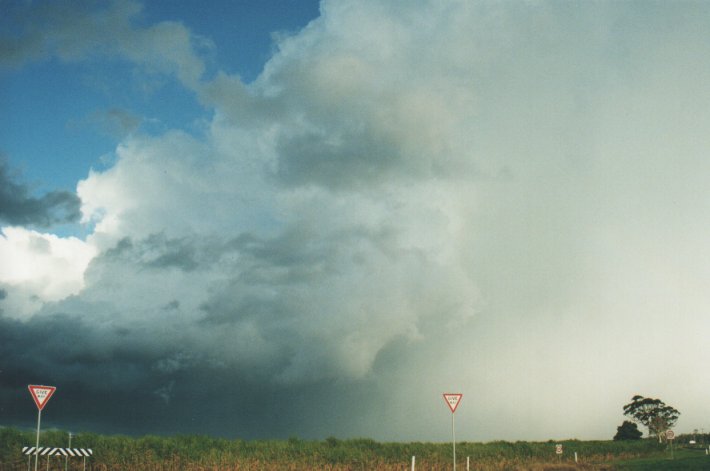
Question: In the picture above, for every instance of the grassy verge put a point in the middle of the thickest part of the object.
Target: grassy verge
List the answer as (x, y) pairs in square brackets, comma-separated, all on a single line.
[(682, 459), (193, 453)]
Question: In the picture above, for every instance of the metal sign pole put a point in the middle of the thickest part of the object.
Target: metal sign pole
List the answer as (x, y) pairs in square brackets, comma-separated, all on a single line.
[(40, 394), (453, 434), (453, 400), (39, 416)]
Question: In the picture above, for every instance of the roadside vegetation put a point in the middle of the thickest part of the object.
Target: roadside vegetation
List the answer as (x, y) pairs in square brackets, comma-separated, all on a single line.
[(113, 452), (662, 451)]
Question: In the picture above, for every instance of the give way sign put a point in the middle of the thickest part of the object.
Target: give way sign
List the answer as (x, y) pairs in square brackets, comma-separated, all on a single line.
[(453, 401), (41, 394)]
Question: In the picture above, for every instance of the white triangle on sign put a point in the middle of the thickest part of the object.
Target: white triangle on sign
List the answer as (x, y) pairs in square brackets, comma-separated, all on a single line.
[(41, 394), (452, 400)]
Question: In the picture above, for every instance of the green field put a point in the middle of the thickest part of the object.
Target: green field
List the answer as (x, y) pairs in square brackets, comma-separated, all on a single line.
[(683, 458), (112, 452)]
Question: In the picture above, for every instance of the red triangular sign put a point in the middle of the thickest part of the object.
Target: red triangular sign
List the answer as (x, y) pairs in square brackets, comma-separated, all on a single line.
[(41, 394), (453, 400)]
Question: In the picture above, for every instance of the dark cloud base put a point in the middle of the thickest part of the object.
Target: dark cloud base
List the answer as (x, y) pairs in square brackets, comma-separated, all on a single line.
[(125, 394), (18, 207)]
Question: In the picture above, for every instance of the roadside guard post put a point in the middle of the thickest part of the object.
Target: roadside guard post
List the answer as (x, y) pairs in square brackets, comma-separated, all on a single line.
[(49, 451)]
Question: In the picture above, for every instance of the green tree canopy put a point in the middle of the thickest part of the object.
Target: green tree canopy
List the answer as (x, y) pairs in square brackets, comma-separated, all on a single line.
[(652, 413), (628, 431)]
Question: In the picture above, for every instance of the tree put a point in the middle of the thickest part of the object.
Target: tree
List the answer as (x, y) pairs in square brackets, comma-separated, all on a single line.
[(653, 414), (628, 431)]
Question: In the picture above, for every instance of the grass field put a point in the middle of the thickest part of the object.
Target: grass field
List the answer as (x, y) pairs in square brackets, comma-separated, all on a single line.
[(202, 453), (682, 459)]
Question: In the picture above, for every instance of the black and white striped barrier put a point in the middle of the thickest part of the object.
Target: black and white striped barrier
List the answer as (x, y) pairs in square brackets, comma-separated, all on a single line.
[(51, 451)]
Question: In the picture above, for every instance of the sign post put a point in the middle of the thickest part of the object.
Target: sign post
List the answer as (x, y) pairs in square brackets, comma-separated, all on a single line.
[(41, 395), (670, 435), (453, 400)]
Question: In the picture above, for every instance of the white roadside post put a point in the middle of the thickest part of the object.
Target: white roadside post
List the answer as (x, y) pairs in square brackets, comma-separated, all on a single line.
[(453, 400), (66, 457), (41, 395)]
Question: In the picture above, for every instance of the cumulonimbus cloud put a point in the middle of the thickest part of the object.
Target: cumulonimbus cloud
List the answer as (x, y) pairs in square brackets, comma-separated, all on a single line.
[(409, 198)]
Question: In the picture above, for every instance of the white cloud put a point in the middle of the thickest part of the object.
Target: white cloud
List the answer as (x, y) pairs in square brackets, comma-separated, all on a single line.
[(40, 268)]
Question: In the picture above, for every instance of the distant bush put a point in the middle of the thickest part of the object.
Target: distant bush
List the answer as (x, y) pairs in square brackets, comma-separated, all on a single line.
[(628, 431)]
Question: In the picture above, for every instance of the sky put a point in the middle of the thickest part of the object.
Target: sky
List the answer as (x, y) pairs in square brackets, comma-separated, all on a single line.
[(290, 218)]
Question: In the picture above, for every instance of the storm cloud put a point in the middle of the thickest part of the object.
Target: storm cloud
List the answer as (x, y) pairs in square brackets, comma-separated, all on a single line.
[(503, 199), (19, 207)]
